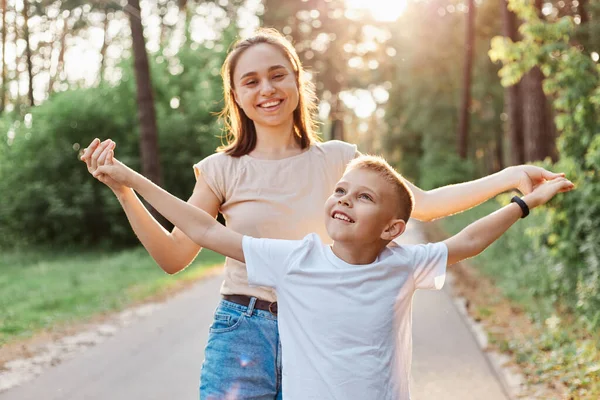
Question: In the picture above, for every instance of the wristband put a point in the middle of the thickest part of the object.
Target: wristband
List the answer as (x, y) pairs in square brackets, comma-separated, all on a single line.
[(522, 204)]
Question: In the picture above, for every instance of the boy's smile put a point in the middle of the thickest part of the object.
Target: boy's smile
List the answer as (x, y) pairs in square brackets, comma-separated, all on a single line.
[(339, 215)]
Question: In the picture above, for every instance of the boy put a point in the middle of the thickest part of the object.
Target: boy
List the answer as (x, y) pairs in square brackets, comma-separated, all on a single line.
[(344, 310)]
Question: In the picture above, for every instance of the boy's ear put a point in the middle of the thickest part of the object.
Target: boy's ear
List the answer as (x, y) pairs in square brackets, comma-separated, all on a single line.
[(394, 229)]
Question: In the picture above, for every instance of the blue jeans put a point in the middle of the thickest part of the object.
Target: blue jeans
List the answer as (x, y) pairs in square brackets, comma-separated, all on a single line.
[(242, 359)]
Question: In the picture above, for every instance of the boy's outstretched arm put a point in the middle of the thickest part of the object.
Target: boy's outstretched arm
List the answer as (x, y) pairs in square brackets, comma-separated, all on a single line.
[(194, 222), (480, 234)]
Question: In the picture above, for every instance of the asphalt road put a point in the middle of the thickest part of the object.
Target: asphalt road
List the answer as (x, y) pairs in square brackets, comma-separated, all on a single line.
[(159, 356)]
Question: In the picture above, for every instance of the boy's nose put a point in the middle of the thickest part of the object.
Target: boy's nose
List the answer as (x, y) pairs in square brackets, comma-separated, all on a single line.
[(344, 201)]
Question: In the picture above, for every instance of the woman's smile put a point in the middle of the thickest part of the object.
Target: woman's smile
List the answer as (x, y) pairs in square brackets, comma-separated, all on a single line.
[(271, 105)]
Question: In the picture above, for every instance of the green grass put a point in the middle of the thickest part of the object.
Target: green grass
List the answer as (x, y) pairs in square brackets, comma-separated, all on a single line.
[(568, 351), (511, 260), (41, 289)]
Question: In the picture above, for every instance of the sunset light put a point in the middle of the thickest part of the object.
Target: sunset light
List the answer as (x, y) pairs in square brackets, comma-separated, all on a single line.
[(381, 10)]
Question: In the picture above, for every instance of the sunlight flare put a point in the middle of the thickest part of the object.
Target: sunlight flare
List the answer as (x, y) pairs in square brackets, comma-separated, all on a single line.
[(381, 10)]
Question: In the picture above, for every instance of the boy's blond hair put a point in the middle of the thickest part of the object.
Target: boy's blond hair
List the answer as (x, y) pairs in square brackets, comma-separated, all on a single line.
[(404, 196)]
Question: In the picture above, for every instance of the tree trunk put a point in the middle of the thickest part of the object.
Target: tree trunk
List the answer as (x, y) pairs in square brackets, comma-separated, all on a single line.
[(61, 56), (162, 12), (585, 28), (463, 124), (145, 99), (582, 9), (336, 118), (4, 83), (513, 102), (499, 151), (28, 51), (104, 46), (539, 128), (538, 120)]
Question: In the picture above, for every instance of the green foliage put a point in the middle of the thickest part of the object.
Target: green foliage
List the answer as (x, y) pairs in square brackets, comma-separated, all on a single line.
[(47, 194), (440, 167), (422, 111), (570, 234), (515, 262)]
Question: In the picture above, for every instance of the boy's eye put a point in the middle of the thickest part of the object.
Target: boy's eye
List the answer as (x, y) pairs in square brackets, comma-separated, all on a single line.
[(365, 196), (339, 191), (278, 76)]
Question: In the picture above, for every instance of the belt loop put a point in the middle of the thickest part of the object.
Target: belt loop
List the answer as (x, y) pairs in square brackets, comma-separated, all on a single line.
[(250, 309)]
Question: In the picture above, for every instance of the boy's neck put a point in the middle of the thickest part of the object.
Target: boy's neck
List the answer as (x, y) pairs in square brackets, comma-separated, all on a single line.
[(358, 253)]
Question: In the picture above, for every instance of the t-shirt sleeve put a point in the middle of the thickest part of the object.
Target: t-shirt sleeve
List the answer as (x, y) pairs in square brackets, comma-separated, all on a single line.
[(267, 259), (339, 154), (212, 169), (429, 263)]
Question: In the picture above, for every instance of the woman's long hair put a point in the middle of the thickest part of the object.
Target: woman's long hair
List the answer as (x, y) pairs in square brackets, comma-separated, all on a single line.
[(240, 132)]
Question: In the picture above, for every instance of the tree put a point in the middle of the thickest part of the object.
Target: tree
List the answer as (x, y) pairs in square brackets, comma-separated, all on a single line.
[(463, 127), (104, 45), (513, 103), (28, 52), (145, 97), (538, 121), (4, 82)]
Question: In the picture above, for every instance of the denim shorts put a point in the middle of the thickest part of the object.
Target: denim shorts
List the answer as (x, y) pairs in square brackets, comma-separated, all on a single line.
[(242, 359)]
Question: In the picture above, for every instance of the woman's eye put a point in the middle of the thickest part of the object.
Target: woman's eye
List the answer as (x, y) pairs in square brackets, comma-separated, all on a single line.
[(278, 76), (250, 83), (339, 191)]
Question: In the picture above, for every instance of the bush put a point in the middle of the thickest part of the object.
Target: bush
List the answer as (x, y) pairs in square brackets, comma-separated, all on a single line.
[(569, 238), (47, 194)]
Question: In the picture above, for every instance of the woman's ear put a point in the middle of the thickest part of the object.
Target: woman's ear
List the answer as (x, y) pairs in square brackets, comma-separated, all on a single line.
[(235, 98), (394, 229)]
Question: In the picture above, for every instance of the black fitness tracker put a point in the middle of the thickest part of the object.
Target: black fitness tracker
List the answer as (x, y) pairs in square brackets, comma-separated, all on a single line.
[(522, 204)]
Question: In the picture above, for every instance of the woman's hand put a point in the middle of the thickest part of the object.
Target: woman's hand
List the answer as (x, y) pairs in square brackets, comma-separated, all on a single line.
[(112, 170), (94, 156), (547, 190), (527, 177)]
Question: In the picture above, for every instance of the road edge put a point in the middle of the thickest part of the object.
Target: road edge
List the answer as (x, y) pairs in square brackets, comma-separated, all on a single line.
[(510, 381)]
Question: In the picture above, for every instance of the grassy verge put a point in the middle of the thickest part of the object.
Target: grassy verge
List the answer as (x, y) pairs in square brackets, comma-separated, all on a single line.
[(551, 346), (41, 290)]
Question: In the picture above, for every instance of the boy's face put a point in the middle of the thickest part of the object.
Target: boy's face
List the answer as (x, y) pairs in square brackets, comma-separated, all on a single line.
[(361, 207)]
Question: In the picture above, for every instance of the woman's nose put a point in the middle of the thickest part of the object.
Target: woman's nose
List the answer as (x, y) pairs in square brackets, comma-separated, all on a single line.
[(267, 88)]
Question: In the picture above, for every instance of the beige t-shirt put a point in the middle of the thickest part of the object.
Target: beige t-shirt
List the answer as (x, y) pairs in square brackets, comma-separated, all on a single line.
[(275, 199)]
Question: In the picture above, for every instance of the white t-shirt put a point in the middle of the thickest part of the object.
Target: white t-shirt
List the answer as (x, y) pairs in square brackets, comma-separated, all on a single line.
[(345, 329)]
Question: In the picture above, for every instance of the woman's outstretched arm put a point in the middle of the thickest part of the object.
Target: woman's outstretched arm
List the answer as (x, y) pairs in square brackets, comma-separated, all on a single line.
[(172, 251), (198, 225), (452, 199)]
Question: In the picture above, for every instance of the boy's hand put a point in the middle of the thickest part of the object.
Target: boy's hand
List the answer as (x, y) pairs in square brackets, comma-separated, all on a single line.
[(527, 177), (95, 155), (112, 172), (546, 191)]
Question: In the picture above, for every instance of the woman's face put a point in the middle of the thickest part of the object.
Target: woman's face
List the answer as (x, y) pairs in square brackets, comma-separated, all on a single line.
[(265, 86)]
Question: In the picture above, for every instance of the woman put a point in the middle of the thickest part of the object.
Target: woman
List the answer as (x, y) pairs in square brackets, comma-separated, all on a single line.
[(271, 180)]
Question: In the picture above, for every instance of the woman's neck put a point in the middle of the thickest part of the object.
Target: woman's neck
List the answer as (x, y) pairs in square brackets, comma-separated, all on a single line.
[(273, 142)]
